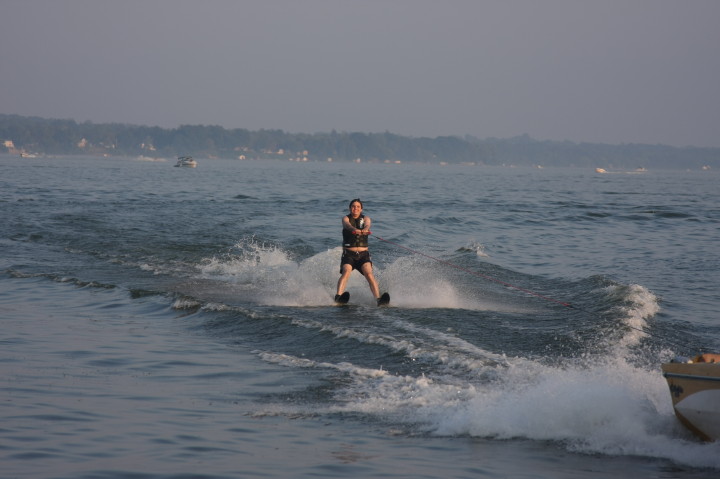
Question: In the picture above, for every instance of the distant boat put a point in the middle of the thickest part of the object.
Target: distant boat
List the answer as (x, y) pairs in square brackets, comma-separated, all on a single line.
[(695, 391), (600, 170), (186, 161)]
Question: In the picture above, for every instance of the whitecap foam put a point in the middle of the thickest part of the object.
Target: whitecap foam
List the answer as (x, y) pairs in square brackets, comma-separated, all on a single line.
[(185, 303), (268, 274), (250, 262), (638, 304), (610, 408), (294, 361), (478, 249), (417, 283)]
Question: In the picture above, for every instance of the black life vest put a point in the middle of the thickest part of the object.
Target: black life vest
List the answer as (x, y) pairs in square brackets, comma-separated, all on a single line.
[(355, 241)]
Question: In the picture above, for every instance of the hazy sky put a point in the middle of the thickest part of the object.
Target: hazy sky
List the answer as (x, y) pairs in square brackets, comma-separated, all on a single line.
[(610, 71)]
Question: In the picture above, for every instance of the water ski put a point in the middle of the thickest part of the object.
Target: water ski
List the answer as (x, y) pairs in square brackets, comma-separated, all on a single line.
[(383, 300), (342, 298)]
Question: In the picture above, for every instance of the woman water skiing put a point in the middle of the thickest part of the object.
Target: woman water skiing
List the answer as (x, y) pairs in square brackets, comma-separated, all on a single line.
[(356, 229)]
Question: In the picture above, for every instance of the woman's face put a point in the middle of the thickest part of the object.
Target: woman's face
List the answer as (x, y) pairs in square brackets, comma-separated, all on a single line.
[(355, 209)]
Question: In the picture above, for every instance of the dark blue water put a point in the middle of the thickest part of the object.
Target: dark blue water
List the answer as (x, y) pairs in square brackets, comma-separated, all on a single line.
[(169, 322)]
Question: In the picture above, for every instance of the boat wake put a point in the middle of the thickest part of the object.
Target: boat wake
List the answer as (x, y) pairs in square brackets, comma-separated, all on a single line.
[(436, 362), (269, 275)]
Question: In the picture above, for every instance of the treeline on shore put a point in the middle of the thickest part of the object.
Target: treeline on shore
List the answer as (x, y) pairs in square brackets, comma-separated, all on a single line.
[(40, 136)]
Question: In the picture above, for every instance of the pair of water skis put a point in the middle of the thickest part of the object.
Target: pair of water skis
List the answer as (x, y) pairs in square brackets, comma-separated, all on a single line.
[(383, 300)]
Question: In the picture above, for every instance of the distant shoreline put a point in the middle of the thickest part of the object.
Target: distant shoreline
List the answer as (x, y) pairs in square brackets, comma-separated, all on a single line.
[(33, 137), (204, 160)]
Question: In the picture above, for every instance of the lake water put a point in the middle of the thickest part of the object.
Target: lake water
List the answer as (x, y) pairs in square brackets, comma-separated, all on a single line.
[(162, 322)]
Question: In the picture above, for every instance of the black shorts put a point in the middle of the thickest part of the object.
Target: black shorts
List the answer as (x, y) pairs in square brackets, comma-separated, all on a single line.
[(355, 259)]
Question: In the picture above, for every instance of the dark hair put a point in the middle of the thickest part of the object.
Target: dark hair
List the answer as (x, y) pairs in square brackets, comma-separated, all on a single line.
[(353, 201)]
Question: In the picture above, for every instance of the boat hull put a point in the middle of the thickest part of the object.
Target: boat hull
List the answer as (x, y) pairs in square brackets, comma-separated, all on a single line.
[(695, 392)]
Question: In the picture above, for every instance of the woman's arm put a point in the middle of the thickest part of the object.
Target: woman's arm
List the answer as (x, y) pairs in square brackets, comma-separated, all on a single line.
[(366, 229), (349, 227)]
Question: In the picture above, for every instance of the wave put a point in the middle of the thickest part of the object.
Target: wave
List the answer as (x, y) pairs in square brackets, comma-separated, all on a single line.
[(610, 407), (267, 274), (635, 305), (60, 279), (438, 375), (475, 247), (450, 385)]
